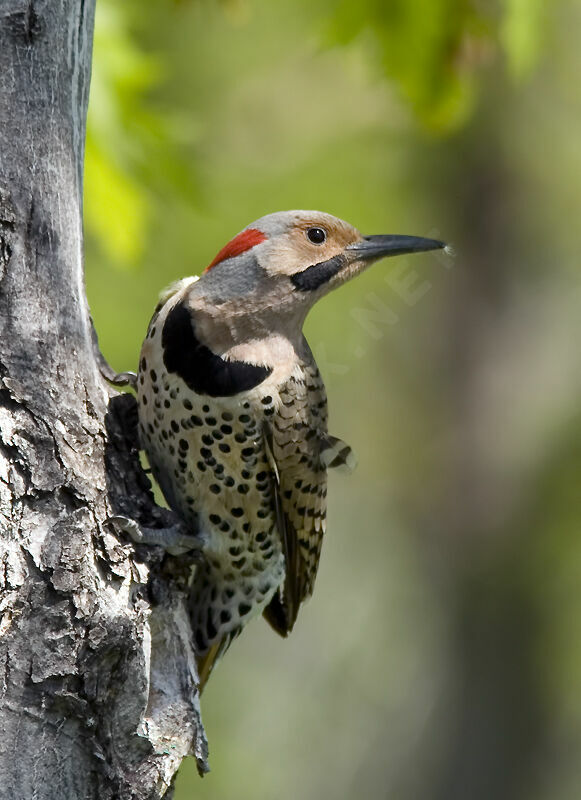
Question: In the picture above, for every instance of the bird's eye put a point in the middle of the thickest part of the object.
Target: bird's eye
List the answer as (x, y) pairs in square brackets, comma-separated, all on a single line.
[(316, 235)]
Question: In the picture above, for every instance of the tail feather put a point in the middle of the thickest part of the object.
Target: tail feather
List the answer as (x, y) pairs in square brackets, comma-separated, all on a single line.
[(207, 660), (205, 664)]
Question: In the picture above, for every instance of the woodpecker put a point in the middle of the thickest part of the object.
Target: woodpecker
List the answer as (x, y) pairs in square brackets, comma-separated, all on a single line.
[(233, 416)]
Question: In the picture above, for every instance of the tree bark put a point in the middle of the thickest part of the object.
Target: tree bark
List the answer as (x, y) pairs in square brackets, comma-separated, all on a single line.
[(97, 679)]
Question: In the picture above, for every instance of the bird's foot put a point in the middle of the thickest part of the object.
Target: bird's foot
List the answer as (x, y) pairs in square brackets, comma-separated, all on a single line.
[(106, 370), (175, 539), (122, 378)]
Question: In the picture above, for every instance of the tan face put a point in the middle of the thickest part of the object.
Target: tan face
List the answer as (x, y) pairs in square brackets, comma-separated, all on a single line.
[(266, 279), (311, 238)]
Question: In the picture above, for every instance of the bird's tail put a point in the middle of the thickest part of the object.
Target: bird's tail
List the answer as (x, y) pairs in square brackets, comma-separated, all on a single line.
[(207, 660), (212, 634), (205, 664)]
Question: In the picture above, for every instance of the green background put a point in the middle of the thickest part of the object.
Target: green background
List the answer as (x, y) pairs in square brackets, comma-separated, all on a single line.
[(440, 656)]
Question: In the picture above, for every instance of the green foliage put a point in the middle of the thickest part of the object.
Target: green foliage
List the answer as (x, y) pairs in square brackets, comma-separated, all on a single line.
[(429, 48), (132, 142), (434, 50), (521, 34)]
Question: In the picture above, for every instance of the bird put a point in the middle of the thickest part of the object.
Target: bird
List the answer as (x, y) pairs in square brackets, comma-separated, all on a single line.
[(232, 415)]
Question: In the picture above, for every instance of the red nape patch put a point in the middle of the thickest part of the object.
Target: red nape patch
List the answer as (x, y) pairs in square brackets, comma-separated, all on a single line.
[(239, 244)]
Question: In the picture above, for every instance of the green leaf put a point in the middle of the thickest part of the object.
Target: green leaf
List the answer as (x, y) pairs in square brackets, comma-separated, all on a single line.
[(133, 144), (431, 49), (116, 207), (521, 35)]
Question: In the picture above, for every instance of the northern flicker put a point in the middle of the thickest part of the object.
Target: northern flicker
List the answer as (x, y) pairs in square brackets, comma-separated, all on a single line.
[(233, 416)]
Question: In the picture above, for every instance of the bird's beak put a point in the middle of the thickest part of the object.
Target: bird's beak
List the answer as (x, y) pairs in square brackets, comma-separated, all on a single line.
[(356, 257), (374, 247)]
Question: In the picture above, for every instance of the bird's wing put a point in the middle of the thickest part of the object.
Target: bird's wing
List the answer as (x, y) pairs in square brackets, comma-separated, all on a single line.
[(299, 451)]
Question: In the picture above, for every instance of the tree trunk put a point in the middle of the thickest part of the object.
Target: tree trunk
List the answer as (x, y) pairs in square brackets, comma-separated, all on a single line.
[(97, 687)]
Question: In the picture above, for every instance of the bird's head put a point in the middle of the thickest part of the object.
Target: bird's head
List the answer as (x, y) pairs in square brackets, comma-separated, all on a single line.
[(284, 262)]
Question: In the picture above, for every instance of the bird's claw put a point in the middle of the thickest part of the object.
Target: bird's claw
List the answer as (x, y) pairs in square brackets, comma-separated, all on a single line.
[(123, 379), (175, 539), (106, 370)]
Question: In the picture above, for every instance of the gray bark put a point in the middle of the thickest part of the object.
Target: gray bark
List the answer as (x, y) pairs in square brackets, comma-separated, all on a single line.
[(97, 678)]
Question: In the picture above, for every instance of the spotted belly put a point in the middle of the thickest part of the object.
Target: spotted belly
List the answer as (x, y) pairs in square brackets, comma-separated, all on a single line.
[(209, 458)]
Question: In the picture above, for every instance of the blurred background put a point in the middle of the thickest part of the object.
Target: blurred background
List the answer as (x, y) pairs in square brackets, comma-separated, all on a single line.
[(440, 657)]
